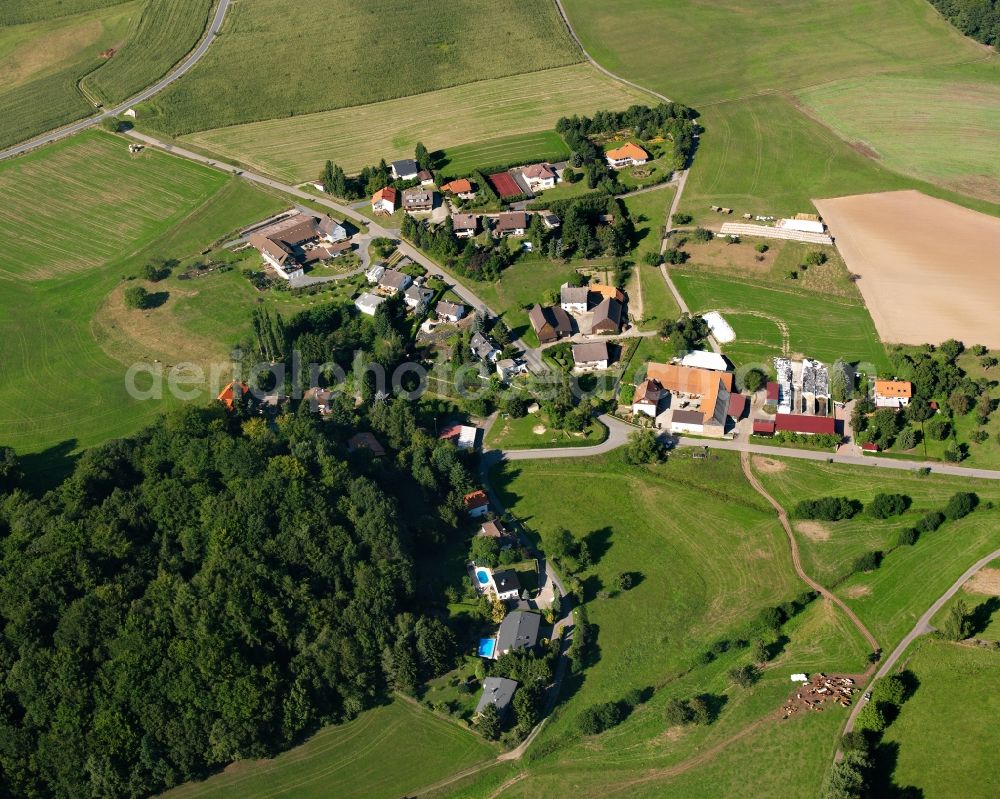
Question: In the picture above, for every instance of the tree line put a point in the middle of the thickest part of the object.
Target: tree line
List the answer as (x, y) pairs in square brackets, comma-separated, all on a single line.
[(979, 19), (219, 585)]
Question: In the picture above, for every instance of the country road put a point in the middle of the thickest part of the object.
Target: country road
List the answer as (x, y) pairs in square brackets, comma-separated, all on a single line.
[(193, 58)]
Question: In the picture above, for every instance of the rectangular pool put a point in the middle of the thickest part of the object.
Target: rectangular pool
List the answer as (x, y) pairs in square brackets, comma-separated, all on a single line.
[(487, 646)]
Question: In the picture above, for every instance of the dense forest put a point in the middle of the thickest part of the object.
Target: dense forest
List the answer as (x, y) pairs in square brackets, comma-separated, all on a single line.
[(215, 588), (979, 19)]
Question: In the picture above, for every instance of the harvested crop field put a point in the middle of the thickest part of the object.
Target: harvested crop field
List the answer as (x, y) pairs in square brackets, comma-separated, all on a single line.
[(928, 268), (296, 149)]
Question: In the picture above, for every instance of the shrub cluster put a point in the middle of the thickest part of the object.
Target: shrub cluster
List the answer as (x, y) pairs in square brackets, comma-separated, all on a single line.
[(829, 509)]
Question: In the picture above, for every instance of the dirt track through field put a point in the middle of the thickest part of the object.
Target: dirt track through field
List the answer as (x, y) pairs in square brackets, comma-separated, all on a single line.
[(929, 269), (796, 559)]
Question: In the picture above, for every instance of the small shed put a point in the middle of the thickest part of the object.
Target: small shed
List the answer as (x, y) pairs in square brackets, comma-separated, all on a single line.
[(763, 427)]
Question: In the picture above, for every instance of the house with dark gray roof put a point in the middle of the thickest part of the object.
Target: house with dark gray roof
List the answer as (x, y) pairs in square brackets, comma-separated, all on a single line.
[(499, 692), (483, 348), (518, 630), (508, 586), (404, 169)]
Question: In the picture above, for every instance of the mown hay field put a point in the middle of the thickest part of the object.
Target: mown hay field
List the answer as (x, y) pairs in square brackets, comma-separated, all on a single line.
[(77, 204), (161, 36), (297, 148), (942, 126), (280, 58), (40, 63), (764, 48), (386, 752), (520, 148), (18, 12)]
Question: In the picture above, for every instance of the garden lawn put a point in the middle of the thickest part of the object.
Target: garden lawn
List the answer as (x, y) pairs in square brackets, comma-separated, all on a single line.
[(507, 121), (386, 752), (953, 710), (890, 599), (520, 286), (819, 326), (704, 576), (42, 60), (382, 50), (509, 433)]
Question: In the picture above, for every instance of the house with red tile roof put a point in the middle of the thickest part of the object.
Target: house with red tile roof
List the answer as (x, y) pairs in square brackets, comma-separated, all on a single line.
[(384, 200), (803, 423), (476, 503), (231, 394)]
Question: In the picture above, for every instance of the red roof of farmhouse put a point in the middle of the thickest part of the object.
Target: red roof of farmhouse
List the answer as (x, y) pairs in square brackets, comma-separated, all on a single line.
[(800, 423)]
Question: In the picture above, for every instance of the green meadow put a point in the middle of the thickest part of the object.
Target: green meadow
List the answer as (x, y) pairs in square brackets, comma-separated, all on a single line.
[(857, 67), (649, 214), (891, 598), (66, 346), (702, 578), (385, 753), (819, 326), (954, 710)]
